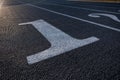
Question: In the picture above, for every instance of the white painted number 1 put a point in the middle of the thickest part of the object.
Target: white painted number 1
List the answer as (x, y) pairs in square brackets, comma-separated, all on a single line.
[(60, 41)]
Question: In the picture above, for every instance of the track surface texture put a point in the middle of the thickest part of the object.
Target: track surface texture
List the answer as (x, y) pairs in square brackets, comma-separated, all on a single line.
[(99, 60)]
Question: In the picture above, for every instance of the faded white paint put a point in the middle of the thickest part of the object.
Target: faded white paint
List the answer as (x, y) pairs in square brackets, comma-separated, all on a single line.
[(115, 18), (60, 41), (83, 8), (73, 17)]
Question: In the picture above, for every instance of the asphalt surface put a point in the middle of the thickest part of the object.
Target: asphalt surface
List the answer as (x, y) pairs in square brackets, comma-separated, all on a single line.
[(96, 61)]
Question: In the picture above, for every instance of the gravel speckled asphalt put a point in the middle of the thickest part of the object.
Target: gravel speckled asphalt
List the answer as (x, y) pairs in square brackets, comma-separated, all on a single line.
[(97, 61)]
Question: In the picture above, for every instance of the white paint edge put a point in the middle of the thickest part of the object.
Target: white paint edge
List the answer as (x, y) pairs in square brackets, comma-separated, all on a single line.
[(113, 17), (83, 8), (66, 15), (60, 41)]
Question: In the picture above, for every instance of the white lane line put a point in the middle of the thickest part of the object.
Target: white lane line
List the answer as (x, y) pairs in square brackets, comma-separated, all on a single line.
[(60, 41), (115, 18), (66, 15), (88, 5), (96, 5), (100, 6), (83, 8)]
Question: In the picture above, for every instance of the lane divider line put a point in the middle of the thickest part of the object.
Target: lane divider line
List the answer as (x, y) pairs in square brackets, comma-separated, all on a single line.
[(89, 5), (69, 16), (82, 8)]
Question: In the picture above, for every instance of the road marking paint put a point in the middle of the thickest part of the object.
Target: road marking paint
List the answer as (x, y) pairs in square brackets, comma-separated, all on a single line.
[(66, 15), (83, 8), (94, 10), (60, 41), (89, 5), (115, 18), (100, 6)]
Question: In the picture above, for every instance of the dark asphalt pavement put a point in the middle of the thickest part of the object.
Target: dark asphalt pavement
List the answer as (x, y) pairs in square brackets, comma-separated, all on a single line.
[(96, 61)]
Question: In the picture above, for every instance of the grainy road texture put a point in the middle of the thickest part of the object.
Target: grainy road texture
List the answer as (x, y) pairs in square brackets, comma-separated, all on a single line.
[(97, 61)]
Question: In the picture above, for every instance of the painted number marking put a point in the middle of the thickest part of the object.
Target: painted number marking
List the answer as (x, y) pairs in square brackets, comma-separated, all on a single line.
[(113, 17), (60, 41)]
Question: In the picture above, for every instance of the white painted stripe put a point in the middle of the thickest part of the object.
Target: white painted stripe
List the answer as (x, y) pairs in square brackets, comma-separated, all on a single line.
[(88, 5), (94, 10), (66, 15), (101, 6), (60, 41), (83, 8), (115, 18)]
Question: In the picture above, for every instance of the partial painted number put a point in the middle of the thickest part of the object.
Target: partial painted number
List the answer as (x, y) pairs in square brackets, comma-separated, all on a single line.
[(97, 15), (60, 41)]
